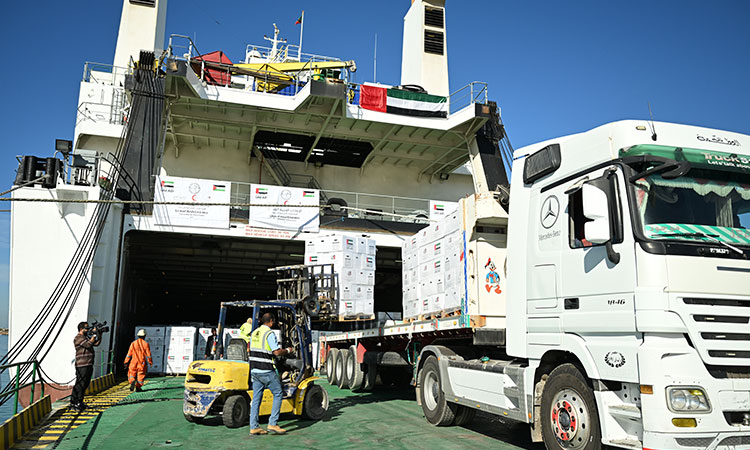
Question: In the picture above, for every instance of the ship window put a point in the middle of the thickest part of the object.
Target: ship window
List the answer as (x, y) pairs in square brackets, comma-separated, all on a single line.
[(433, 42), (541, 163), (150, 3), (433, 17)]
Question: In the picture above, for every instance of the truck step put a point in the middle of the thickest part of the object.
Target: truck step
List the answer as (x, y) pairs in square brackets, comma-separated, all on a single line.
[(625, 410), (629, 442)]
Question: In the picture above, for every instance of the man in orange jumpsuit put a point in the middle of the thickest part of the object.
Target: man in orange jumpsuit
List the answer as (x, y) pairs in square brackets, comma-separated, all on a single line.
[(138, 354)]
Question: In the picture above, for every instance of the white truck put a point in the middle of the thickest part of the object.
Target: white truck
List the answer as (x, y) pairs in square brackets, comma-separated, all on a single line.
[(623, 317)]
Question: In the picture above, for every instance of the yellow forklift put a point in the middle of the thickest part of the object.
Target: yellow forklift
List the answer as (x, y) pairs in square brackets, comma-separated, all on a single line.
[(222, 387)]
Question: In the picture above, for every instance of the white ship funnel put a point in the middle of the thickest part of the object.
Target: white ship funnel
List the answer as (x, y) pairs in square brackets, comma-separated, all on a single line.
[(142, 27), (424, 59)]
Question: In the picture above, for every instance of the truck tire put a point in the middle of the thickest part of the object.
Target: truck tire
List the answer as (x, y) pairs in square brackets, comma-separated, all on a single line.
[(464, 415), (315, 405), (331, 365), (569, 416), (235, 413), (371, 377), (357, 377), (436, 410), (341, 363)]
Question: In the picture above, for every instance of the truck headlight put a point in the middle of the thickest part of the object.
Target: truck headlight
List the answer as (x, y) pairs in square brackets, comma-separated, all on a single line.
[(687, 399)]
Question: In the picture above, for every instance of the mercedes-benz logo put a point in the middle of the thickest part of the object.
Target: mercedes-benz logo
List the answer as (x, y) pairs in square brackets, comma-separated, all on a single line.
[(194, 188), (550, 211)]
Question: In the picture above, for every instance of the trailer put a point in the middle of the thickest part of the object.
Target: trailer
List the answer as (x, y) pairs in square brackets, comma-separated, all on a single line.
[(607, 307)]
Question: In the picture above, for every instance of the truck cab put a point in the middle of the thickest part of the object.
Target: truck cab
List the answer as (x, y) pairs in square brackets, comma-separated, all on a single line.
[(628, 266)]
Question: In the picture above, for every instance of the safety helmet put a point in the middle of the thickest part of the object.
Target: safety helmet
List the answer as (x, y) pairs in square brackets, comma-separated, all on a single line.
[(141, 333)]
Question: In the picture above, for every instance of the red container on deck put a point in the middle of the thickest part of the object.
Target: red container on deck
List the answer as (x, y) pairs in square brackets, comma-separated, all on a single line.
[(216, 68)]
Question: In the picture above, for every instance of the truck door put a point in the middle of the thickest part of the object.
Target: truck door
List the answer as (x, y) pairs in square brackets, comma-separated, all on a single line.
[(597, 283)]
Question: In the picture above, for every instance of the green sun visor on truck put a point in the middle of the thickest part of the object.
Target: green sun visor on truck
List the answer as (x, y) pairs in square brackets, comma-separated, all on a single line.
[(703, 159), (708, 203)]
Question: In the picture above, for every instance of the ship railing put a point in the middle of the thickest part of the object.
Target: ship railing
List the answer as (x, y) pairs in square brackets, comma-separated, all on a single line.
[(99, 73), (182, 47), (357, 204), (18, 384), (289, 52), (474, 92)]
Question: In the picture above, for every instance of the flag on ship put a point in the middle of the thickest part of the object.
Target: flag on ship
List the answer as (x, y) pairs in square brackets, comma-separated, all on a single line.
[(299, 19), (399, 101)]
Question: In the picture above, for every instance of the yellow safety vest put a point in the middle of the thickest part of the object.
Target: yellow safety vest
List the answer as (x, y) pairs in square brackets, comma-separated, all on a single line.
[(261, 355)]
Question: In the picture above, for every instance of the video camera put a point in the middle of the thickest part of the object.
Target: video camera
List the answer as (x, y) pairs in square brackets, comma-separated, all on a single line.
[(96, 329)]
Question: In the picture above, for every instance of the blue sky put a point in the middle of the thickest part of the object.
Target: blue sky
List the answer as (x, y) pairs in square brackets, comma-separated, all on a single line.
[(554, 67)]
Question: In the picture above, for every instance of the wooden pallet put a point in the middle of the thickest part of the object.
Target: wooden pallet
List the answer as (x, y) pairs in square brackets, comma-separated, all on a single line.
[(440, 314), (355, 317)]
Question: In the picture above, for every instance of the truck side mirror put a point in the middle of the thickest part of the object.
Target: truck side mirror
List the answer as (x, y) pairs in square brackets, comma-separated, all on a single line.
[(596, 209), (600, 198)]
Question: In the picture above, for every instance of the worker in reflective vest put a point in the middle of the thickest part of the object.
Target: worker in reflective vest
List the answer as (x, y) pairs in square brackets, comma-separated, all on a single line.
[(263, 347), (139, 355)]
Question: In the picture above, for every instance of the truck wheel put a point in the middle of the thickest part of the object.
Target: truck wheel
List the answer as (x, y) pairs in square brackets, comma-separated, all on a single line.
[(569, 416), (371, 377), (315, 404), (341, 366), (357, 378), (235, 413), (331, 365), (464, 415), (436, 410)]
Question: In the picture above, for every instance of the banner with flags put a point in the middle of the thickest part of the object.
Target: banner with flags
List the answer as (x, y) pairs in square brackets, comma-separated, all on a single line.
[(284, 215), (193, 192), (399, 101)]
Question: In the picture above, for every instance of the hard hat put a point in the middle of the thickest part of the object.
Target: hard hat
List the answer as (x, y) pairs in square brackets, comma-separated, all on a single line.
[(141, 333)]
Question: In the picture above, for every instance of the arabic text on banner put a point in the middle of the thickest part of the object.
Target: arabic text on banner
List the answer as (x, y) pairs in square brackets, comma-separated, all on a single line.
[(177, 189), (284, 217)]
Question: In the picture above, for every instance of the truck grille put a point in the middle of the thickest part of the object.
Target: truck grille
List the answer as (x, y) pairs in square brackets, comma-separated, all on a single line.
[(718, 329)]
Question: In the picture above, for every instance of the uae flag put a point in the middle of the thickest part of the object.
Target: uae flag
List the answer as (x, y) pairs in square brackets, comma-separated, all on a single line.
[(398, 101)]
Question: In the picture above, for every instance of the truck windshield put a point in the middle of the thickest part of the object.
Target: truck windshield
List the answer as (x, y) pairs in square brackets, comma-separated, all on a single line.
[(711, 203)]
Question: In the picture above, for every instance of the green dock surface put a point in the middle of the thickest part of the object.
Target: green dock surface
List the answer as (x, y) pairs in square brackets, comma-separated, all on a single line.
[(386, 418)]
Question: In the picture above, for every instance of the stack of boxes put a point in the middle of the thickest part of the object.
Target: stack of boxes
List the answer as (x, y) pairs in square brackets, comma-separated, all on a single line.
[(179, 349), (155, 338), (433, 269), (353, 260)]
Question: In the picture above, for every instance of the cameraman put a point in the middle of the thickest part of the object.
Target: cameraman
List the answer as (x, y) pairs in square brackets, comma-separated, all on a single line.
[(84, 363)]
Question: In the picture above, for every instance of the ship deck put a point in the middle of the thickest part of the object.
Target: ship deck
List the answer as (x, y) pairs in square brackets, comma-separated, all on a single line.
[(384, 418)]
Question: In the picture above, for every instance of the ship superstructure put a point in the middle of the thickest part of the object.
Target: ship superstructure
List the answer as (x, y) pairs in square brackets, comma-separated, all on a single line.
[(376, 160)]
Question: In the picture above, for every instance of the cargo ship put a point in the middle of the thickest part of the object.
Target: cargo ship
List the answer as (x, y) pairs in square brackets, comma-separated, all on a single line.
[(190, 175)]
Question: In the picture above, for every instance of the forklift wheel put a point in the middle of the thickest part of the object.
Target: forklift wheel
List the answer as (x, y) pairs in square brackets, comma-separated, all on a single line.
[(316, 403), (235, 412), (192, 419)]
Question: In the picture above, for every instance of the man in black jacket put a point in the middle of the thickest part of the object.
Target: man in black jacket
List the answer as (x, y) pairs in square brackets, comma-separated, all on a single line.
[(209, 353)]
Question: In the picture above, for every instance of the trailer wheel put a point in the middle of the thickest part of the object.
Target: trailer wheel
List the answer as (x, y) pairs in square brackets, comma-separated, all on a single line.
[(235, 413), (569, 416), (357, 378), (464, 415), (341, 364), (315, 405), (331, 365), (436, 410), (371, 377)]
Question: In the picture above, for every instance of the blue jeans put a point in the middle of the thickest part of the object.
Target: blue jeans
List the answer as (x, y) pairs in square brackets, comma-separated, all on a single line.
[(262, 381)]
